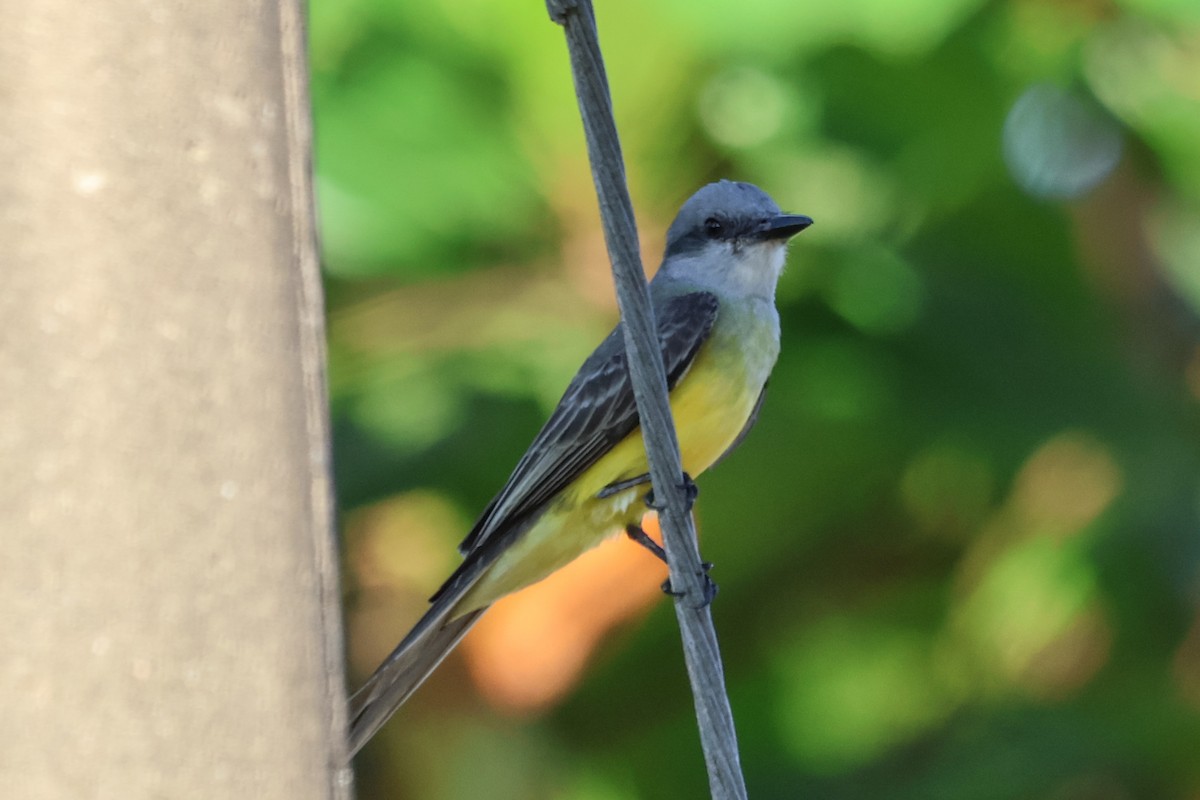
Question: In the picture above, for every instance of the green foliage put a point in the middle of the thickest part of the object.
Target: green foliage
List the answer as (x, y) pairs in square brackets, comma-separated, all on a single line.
[(958, 557)]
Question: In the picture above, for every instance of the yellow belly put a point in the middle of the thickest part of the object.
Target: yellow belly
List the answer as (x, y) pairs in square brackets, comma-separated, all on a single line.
[(710, 406)]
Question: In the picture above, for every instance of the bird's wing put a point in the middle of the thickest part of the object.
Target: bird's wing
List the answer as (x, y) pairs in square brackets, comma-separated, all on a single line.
[(595, 413)]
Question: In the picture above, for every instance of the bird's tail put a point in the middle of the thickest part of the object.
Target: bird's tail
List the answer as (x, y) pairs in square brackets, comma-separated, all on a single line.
[(430, 641)]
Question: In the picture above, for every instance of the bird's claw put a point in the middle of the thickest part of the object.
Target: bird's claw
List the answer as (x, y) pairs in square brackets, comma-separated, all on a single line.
[(708, 593), (690, 492)]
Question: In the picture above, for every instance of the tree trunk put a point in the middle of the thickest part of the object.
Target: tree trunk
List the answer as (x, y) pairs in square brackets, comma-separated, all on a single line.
[(169, 607)]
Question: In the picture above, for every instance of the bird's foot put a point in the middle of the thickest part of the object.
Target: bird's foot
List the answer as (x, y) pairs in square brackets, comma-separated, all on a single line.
[(708, 593), (710, 587), (638, 535), (616, 487), (690, 492)]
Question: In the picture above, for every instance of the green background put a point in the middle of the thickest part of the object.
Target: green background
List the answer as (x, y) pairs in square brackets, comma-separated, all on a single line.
[(958, 556)]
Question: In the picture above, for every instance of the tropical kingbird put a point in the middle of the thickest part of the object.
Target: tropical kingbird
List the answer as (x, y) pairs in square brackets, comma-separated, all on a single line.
[(584, 477)]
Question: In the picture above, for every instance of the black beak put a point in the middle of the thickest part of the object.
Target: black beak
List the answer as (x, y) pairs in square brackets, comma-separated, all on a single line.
[(784, 226)]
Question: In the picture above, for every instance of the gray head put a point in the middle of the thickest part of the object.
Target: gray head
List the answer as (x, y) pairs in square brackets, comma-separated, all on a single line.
[(729, 211), (730, 227)]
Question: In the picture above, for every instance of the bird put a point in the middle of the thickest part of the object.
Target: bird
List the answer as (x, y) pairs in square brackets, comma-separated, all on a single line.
[(585, 477)]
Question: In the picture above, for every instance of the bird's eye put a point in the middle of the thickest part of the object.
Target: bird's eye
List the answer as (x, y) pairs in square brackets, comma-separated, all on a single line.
[(713, 227)]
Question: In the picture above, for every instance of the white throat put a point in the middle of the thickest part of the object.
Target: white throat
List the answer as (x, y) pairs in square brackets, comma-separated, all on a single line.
[(731, 269)]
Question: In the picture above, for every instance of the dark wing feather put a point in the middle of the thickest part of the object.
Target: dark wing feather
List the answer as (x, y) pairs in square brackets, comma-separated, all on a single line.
[(595, 413)]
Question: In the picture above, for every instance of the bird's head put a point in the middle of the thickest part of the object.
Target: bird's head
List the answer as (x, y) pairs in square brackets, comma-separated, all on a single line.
[(730, 235)]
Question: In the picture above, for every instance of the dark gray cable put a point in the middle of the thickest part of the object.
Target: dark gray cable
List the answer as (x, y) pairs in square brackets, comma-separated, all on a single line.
[(701, 652)]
